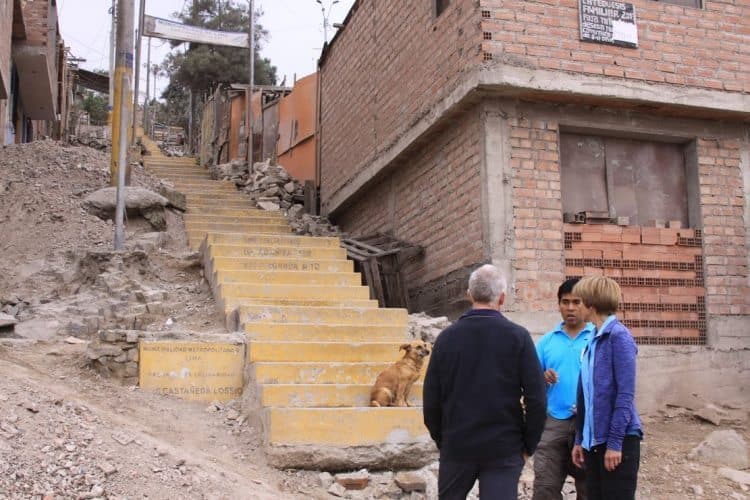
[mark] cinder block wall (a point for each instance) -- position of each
(706, 48)
(433, 199)
(384, 71)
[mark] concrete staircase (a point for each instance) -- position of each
(315, 340)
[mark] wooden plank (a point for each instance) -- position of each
(377, 284)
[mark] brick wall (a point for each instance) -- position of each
(433, 199)
(660, 271)
(665, 273)
(725, 246)
(36, 14)
(707, 48)
(537, 213)
(384, 71)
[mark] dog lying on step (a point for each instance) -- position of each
(393, 385)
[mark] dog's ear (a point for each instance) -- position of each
(405, 347)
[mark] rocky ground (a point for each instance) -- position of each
(67, 432)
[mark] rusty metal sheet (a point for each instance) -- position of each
(582, 177)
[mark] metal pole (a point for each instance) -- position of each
(190, 122)
(122, 167)
(251, 81)
(123, 66)
(136, 83)
(148, 82)
(111, 95)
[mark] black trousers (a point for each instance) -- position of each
(498, 479)
(621, 483)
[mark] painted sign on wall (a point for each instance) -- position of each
(608, 21)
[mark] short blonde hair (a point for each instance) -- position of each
(599, 292)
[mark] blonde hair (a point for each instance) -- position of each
(599, 292)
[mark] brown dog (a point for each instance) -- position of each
(393, 385)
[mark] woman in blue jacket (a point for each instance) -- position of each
(608, 429)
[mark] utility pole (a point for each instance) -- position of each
(251, 81)
(111, 96)
(124, 104)
(146, 105)
(122, 92)
(136, 83)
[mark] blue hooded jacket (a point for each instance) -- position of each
(613, 380)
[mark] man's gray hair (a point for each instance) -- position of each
(486, 283)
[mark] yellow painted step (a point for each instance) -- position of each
(344, 426)
(254, 218)
(179, 171)
(315, 315)
(229, 304)
(288, 277)
(218, 197)
(277, 264)
(267, 331)
(291, 241)
(324, 395)
(323, 372)
(348, 352)
(205, 189)
(288, 252)
(202, 184)
(219, 206)
(293, 291)
(198, 231)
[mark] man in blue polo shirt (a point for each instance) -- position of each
(559, 353)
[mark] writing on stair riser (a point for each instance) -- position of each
(201, 371)
(277, 252)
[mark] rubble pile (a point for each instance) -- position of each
(424, 327)
(271, 188)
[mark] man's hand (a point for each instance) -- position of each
(550, 376)
(577, 456)
(612, 459)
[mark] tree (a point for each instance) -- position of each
(201, 68)
(96, 105)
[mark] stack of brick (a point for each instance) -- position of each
(660, 271)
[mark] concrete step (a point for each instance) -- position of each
(229, 304)
(179, 171)
(255, 239)
(195, 232)
(344, 427)
(225, 208)
(323, 372)
(209, 189)
(324, 395)
(219, 206)
(287, 277)
(202, 184)
(327, 332)
(318, 315)
(286, 252)
(199, 197)
(253, 218)
(275, 264)
(293, 291)
(346, 352)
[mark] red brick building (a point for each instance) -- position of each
(472, 127)
(34, 77)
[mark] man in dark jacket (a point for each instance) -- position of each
(480, 369)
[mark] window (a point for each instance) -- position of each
(639, 179)
(440, 6)
(687, 3)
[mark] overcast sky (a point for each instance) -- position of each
(295, 28)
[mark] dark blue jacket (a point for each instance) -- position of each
(479, 369)
(614, 372)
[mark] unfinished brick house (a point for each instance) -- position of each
(34, 76)
(474, 127)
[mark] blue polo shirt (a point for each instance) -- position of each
(561, 353)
